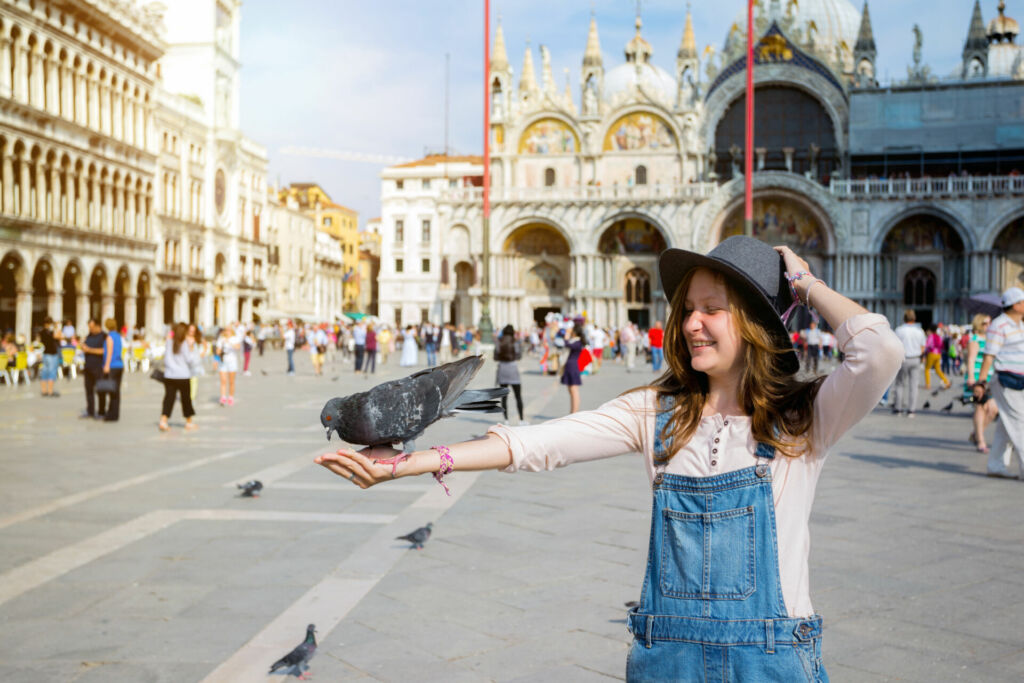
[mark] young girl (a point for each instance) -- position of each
(574, 341)
(733, 444)
(228, 345)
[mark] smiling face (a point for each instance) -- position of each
(712, 337)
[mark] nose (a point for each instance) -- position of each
(694, 321)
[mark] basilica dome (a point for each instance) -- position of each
(654, 81)
(834, 21)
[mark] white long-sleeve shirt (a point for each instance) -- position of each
(873, 355)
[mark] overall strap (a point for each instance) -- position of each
(666, 404)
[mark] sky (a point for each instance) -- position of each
(368, 78)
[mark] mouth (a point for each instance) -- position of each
(696, 344)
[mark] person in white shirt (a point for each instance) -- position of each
(813, 338)
(733, 443)
(229, 345)
(1004, 353)
(627, 342)
(289, 346)
(598, 340)
(909, 377)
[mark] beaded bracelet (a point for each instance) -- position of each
(807, 294)
(447, 466)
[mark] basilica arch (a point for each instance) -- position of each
(13, 291)
(532, 273)
(620, 280)
(72, 283)
(923, 265)
(1009, 249)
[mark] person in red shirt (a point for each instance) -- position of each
(656, 336)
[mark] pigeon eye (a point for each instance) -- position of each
(328, 417)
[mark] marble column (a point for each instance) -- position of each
(53, 305)
(36, 84)
(105, 213)
(20, 71)
(24, 208)
(129, 312)
(7, 178)
(6, 90)
(107, 307)
(23, 313)
(40, 190)
(67, 108)
(82, 310)
(52, 83)
(761, 152)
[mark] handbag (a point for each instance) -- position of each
(106, 386)
(157, 375)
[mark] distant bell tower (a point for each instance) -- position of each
(501, 79)
(975, 55)
(592, 75)
(864, 53)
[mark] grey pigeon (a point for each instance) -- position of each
(297, 661)
(949, 408)
(400, 410)
(418, 537)
(251, 489)
(927, 405)
(264, 372)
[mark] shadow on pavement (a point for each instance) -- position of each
(892, 463)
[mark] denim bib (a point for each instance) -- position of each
(712, 607)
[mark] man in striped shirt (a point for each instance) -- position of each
(1004, 350)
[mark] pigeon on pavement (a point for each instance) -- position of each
(264, 372)
(251, 489)
(297, 660)
(418, 537)
(949, 408)
(927, 405)
(400, 410)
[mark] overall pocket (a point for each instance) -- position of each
(708, 555)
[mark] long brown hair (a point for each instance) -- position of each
(180, 331)
(781, 406)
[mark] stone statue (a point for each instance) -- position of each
(590, 97)
(735, 154)
(712, 163)
(918, 41)
(812, 160)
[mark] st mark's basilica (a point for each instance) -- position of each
(907, 194)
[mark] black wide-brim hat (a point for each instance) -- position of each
(753, 268)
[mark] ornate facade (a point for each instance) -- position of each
(127, 189)
(588, 189)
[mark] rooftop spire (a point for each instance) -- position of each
(976, 39)
(866, 37)
(688, 48)
(592, 55)
(499, 58)
(528, 81)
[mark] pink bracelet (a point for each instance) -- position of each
(447, 466)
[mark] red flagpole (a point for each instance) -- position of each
(487, 109)
(748, 157)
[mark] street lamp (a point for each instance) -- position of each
(748, 157)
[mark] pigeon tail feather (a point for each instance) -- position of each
(480, 400)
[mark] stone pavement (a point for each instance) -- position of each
(127, 557)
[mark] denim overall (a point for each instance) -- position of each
(712, 606)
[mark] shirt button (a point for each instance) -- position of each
(716, 440)
(714, 450)
(714, 462)
(726, 422)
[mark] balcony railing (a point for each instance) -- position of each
(582, 193)
(952, 186)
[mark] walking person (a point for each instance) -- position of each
(371, 349)
(429, 333)
(507, 353)
(289, 346)
(627, 340)
(181, 363)
(656, 335)
(598, 340)
(985, 409)
(248, 343)
(444, 344)
(410, 352)
(318, 342)
(933, 359)
(574, 341)
(813, 341)
(733, 443)
(49, 335)
(92, 348)
(359, 339)
(113, 368)
(385, 344)
(1004, 352)
(909, 377)
(228, 346)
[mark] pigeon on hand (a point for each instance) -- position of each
(251, 489)
(297, 660)
(400, 410)
(418, 537)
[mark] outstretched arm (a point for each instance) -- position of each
(486, 453)
(833, 306)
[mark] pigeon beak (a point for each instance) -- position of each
(329, 430)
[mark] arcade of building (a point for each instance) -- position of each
(902, 196)
(86, 130)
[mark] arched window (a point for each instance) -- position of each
(638, 287)
(641, 175)
(549, 177)
(919, 288)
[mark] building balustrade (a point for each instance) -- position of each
(951, 186)
(595, 193)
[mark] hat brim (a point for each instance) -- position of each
(673, 266)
